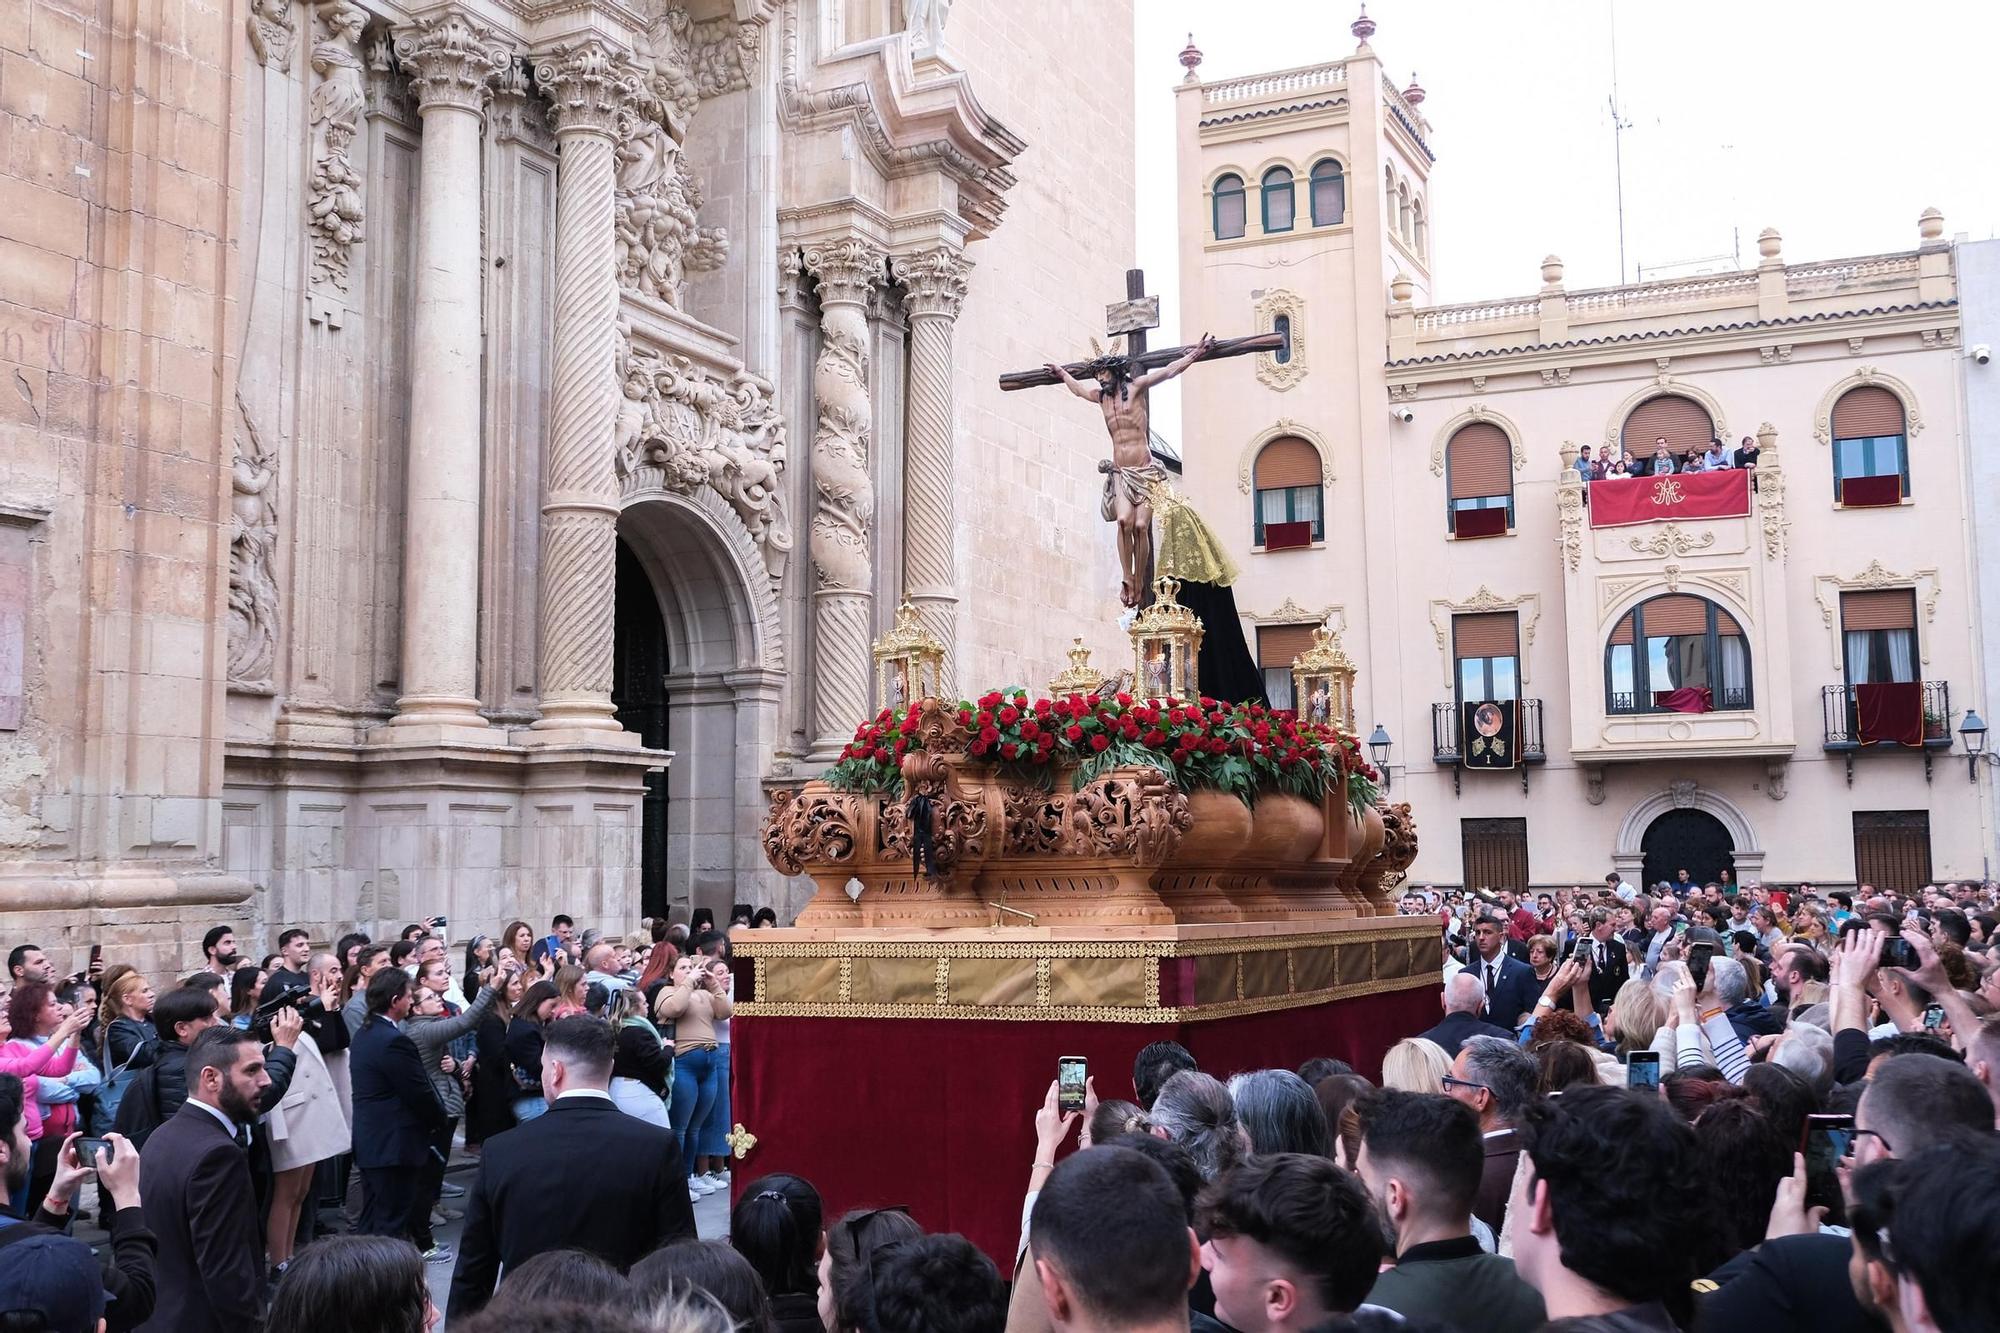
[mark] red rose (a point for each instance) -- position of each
(1009, 716)
(1156, 737)
(977, 747)
(877, 753)
(1072, 733)
(1010, 751)
(1042, 707)
(910, 725)
(1091, 702)
(990, 698)
(883, 716)
(901, 746)
(989, 735)
(965, 717)
(1029, 730)
(1262, 731)
(1124, 699)
(1176, 716)
(847, 752)
(1130, 730)
(1100, 743)
(1216, 745)
(1021, 701)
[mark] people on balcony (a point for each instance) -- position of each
(1587, 467)
(1746, 453)
(1621, 466)
(1663, 464)
(1717, 458)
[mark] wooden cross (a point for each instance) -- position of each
(1132, 317)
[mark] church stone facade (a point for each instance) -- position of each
(458, 456)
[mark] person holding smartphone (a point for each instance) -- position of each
(696, 1000)
(127, 1268)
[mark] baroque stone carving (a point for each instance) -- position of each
(590, 86)
(843, 495)
(1681, 791)
(272, 32)
(1281, 301)
(450, 60)
(680, 428)
(1672, 539)
(1399, 844)
(1138, 813)
(1246, 462)
(1035, 821)
(253, 541)
(935, 281)
(808, 827)
(925, 23)
(1527, 608)
(1913, 417)
(1770, 479)
(660, 238)
(334, 210)
(957, 827)
(1569, 510)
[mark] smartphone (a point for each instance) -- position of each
(1898, 952)
(1581, 950)
(1642, 1070)
(1825, 1142)
(1933, 1017)
(87, 1149)
(1070, 1076)
(96, 959)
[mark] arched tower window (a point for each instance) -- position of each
(1278, 203)
(1229, 207)
(1329, 193)
(1403, 210)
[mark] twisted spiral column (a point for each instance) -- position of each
(450, 59)
(843, 514)
(587, 83)
(935, 282)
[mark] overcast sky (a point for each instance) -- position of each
(1836, 122)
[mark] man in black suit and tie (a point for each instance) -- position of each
(194, 1185)
(1511, 988)
(1609, 968)
(518, 1206)
(395, 1112)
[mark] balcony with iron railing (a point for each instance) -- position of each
(1887, 718)
(1448, 746)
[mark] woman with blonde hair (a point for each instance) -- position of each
(1416, 1064)
(641, 1069)
(1635, 1017)
(569, 991)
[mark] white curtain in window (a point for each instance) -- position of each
(1278, 687)
(1902, 654)
(1271, 505)
(1858, 642)
(1305, 504)
(1735, 668)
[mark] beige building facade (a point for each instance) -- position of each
(1687, 692)
(457, 456)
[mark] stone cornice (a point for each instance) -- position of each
(450, 60)
(845, 269)
(935, 281)
(589, 84)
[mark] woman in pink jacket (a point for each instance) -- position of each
(46, 1048)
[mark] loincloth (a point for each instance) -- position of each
(1134, 485)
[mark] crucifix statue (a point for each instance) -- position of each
(1120, 391)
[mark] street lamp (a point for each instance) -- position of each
(1378, 750)
(1973, 732)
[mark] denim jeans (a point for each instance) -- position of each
(527, 1108)
(694, 1096)
(714, 1137)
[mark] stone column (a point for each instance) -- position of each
(449, 60)
(843, 498)
(935, 283)
(588, 83)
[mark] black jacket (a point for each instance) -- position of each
(1605, 981)
(156, 1096)
(1514, 992)
(517, 1209)
(195, 1183)
(1795, 1284)
(641, 1056)
(1453, 1284)
(127, 1268)
(1451, 1033)
(1753, 1018)
(396, 1115)
(489, 1107)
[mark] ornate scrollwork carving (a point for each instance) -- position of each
(806, 827)
(334, 211)
(932, 825)
(253, 542)
(450, 60)
(1137, 813)
(590, 86)
(1569, 512)
(1672, 539)
(1036, 821)
(1399, 844)
(679, 428)
(934, 281)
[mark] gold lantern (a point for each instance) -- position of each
(1166, 638)
(1323, 682)
(1079, 677)
(909, 662)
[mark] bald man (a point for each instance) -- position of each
(1464, 998)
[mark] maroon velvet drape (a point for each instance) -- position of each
(938, 1114)
(1686, 699)
(1891, 713)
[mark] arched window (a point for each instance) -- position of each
(1479, 479)
(1682, 422)
(1389, 194)
(1277, 189)
(1423, 233)
(1282, 326)
(1676, 654)
(1288, 497)
(1329, 193)
(1871, 457)
(1403, 211)
(1230, 207)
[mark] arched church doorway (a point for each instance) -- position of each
(639, 694)
(1691, 840)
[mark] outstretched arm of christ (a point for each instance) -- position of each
(1173, 368)
(1088, 392)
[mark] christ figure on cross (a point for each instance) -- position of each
(1131, 473)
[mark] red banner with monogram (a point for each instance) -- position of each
(1619, 501)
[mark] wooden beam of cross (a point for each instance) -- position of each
(1132, 317)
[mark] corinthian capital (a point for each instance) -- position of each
(450, 59)
(588, 84)
(934, 281)
(845, 269)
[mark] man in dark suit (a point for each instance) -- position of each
(516, 1208)
(1511, 988)
(194, 1186)
(1464, 999)
(395, 1112)
(1609, 967)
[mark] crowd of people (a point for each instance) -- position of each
(1665, 460)
(1696, 1107)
